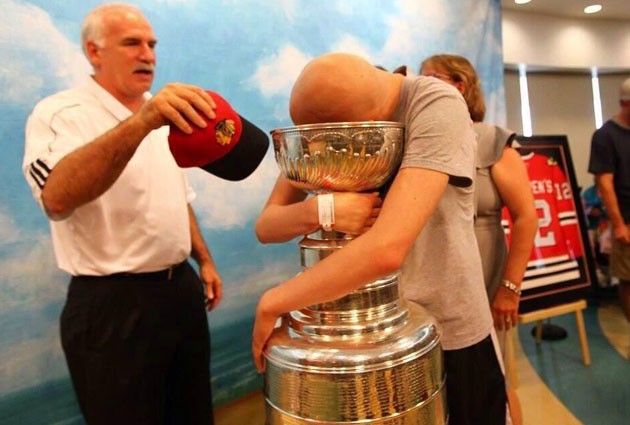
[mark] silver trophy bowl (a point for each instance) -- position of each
(369, 357)
(342, 157)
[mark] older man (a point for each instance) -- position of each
(134, 327)
(610, 162)
(425, 226)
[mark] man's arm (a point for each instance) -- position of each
(288, 214)
(381, 250)
(609, 197)
(87, 172)
(207, 270)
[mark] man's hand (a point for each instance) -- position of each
(622, 233)
(175, 103)
(355, 213)
(212, 283)
(264, 323)
(504, 308)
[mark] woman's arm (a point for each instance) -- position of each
(288, 213)
(510, 177)
(381, 250)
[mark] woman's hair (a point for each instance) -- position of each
(459, 69)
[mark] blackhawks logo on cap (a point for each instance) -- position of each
(224, 131)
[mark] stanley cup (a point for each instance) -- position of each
(368, 357)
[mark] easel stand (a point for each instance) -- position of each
(538, 316)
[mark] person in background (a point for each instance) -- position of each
(501, 179)
(424, 227)
(134, 327)
(598, 231)
(593, 206)
(610, 163)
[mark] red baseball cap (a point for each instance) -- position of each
(229, 147)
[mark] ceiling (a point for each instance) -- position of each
(612, 9)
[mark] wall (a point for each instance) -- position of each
(513, 101)
(557, 42)
(562, 103)
(609, 92)
(250, 51)
(559, 53)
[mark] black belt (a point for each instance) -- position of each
(166, 274)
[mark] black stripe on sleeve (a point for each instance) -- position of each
(41, 185)
(38, 172)
(43, 165)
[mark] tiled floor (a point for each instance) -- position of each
(555, 388)
(538, 404)
(598, 394)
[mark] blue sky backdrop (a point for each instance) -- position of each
(250, 51)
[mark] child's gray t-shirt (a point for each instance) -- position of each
(442, 272)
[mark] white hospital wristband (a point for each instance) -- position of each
(326, 211)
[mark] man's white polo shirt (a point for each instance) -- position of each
(141, 223)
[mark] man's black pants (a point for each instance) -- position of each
(475, 385)
(138, 348)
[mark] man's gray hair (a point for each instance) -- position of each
(92, 25)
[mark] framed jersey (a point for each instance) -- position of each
(560, 265)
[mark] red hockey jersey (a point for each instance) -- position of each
(557, 243)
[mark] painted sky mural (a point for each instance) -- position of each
(250, 51)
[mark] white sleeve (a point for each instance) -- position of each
(50, 134)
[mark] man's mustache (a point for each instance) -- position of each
(144, 67)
